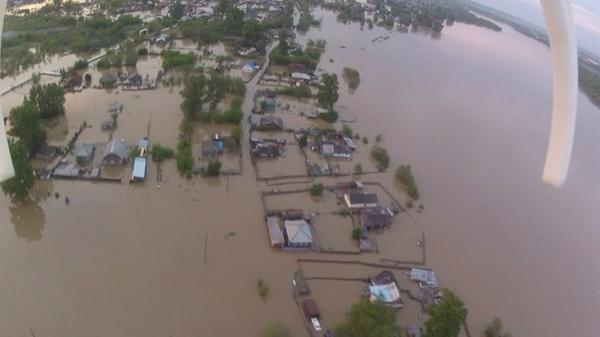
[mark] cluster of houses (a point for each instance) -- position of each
(291, 230)
(115, 153)
(330, 144)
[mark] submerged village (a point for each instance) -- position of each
(169, 93)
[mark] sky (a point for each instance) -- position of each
(585, 12)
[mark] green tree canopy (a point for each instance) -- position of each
(26, 124)
(369, 319)
(176, 10)
(49, 99)
(446, 317)
(18, 186)
(328, 90)
(193, 96)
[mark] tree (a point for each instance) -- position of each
(18, 186)
(216, 88)
(49, 99)
(176, 10)
(328, 90)
(381, 157)
(234, 22)
(369, 319)
(494, 329)
(316, 190)
(160, 153)
(193, 93)
(283, 43)
(213, 168)
(253, 34)
(277, 330)
(26, 124)
(446, 317)
(223, 7)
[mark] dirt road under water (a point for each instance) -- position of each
(469, 111)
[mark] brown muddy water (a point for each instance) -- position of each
(470, 112)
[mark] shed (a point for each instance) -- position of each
(425, 276)
(298, 76)
(298, 234)
(115, 152)
(360, 199)
(139, 169)
(275, 232)
(376, 218)
(271, 122)
(85, 153)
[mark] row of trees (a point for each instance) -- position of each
(27, 126)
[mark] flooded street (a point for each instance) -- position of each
(469, 110)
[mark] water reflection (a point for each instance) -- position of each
(29, 219)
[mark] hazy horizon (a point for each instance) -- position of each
(586, 14)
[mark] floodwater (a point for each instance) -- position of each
(469, 110)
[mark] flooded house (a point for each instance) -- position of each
(271, 123)
(299, 78)
(115, 152)
(360, 199)
(84, 153)
(317, 112)
(425, 277)
(384, 287)
(250, 66)
(376, 218)
(298, 234)
(275, 232)
(336, 150)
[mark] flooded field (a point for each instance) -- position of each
(470, 111)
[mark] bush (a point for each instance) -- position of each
(301, 91)
(404, 174)
(174, 59)
(303, 141)
(357, 233)
(80, 64)
(378, 138)
(330, 117)
(142, 51)
(234, 114)
(237, 86)
(160, 153)
(357, 169)
(352, 77)
(347, 130)
(185, 159)
(316, 190)
(381, 157)
(263, 288)
(236, 134)
(213, 168)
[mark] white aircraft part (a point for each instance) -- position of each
(563, 50)
(6, 165)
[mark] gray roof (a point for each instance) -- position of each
(116, 147)
(363, 198)
(376, 217)
(275, 232)
(271, 122)
(85, 150)
(298, 231)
